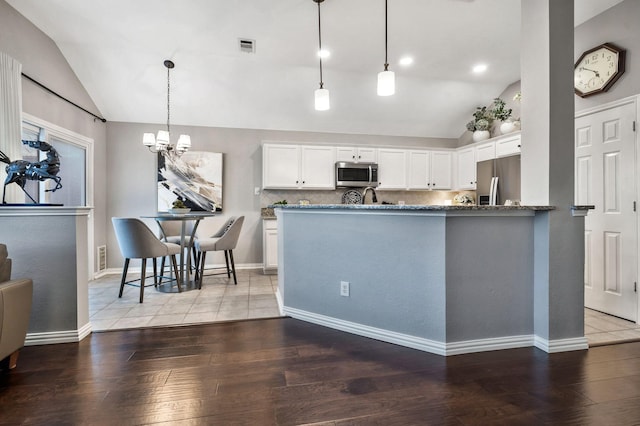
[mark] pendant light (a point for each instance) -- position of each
(162, 142)
(321, 94)
(386, 78)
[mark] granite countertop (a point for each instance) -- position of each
(408, 207)
(267, 213)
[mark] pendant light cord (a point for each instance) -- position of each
(386, 61)
(320, 45)
(168, 99)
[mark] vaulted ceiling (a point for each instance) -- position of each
(117, 49)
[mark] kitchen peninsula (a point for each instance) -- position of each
(443, 279)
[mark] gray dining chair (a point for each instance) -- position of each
(137, 241)
(225, 240)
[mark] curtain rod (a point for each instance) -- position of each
(104, 120)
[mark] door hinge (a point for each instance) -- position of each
(634, 206)
(635, 287)
(634, 126)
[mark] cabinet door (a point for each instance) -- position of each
(392, 169)
(367, 155)
(270, 246)
(508, 146)
(280, 166)
(441, 176)
(467, 168)
(346, 153)
(486, 151)
(419, 173)
(318, 167)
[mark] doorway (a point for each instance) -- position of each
(606, 177)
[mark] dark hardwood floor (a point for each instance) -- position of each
(287, 372)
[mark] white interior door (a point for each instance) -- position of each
(606, 178)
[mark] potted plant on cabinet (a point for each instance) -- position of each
(502, 113)
(482, 119)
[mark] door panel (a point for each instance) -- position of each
(606, 178)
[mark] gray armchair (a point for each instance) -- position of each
(225, 240)
(15, 310)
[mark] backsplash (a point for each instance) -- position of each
(270, 196)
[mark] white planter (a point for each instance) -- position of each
(481, 135)
(507, 127)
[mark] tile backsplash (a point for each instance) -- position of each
(270, 196)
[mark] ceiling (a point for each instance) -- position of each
(117, 49)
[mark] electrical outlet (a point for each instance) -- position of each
(344, 288)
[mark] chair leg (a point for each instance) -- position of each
(162, 266)
(226, 259)
(233, 267)
(155, 272)
(124, 276)
(142, 278)
(177, 272)
(202, 255)
(12, 360)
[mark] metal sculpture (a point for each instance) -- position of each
(19, 171)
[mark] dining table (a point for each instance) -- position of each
(186, 238)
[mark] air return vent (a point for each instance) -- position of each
(247, 45)
(102, 258)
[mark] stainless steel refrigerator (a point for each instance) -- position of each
(498, 180)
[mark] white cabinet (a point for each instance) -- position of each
(441, 175)
(270, 245)
(317, 167)
(280, 166)
(419, 173)
(392, 168)
(466, 168)
(486, 151)
(508, 145)
(356, 154)
(298, 167)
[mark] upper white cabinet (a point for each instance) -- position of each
(486, 151)
(467, 168)
(508, 145)
(280, 166)
(441, 175)
(298, 166)
(392, 168)
(429, 170)
(356, 154)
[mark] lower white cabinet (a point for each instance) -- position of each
(270, 246)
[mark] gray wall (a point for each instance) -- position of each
(132, 178)
(618, 25)
(41, 59)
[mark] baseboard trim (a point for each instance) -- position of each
(426, 345)
(433, 346)
(561, 345)
(55, 337)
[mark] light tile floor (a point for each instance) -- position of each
(602, 329)
(218, 300)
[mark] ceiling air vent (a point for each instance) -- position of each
(247, 45)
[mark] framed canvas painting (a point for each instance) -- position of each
(195, 178)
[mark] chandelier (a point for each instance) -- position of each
(162, 143)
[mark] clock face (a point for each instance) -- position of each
(597, 69)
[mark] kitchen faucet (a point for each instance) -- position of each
(374, 199)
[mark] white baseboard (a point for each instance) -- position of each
(54, 337)
(561, 345)
(436, 347)
(280, 302)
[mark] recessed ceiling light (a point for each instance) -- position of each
(479, 68)
(324, 53)
(406, 61)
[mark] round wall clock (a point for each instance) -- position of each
(597, 69)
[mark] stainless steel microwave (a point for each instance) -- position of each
(356, 174)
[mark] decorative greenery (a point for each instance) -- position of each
(463, 199)
(499, 111)
(280, 203)
(178, 204)
(482, 119)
